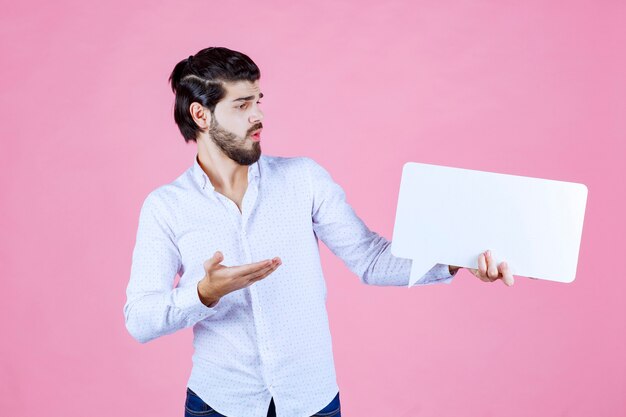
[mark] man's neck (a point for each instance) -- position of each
(225, 175)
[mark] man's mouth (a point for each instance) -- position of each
(256, 136)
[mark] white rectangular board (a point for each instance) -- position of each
(451, 215)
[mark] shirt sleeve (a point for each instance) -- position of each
(364, 252)
(153, 307)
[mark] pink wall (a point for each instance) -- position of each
(530, 88)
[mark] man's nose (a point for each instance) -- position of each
(256, 117)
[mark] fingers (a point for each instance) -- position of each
(492, 268)
(489, 270)
(482, 266)
(256, 276)
(241, 270)
(253, 270)
(214, 261)
(507, 276)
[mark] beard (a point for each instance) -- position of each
(233, 146)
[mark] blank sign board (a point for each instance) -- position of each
(451, 215)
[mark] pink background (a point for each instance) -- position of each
(530, 88)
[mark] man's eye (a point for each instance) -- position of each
(244, 105)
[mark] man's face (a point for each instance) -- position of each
(239, 118)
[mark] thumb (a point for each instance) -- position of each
(215, 260)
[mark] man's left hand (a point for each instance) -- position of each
(489, 271)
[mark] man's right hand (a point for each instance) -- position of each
(220, 280)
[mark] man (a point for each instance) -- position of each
(263, 349)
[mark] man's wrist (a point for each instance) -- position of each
(208, 300)
(453, 269)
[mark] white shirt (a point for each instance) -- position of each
(271, 339)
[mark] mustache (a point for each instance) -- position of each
(255, 127)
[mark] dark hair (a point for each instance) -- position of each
(199, 78)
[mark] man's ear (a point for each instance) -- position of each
(200, 115)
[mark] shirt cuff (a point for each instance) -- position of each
(188, 300)
(439, 274)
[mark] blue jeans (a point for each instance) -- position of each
(194, 406)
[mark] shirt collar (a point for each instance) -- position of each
(205, 183)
